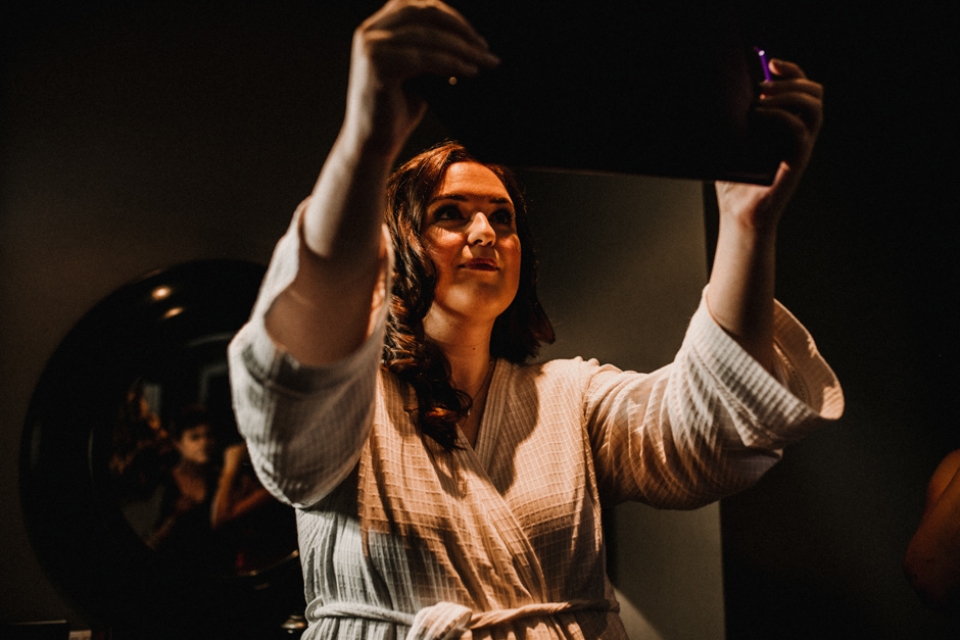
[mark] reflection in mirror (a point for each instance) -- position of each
(184, 480)
(136, 488)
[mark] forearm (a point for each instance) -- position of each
(742, 282)
(304, 426)
(740, 296)
(324, 314)
(714, 421)
(232, 501)
(303, 370)
(222, 505)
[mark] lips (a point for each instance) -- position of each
(481, 264)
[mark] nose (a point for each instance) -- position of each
(480, 232)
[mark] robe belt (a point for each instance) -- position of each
(448, 620)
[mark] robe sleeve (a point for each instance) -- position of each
(304, 426)
(709, 424)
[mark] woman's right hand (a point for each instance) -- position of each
(234, 455)
(403, 40)
(325, 313)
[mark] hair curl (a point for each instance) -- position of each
(517, 333)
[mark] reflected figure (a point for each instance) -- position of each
(99, 452)
(238, 494)
(932, 561)
(190, 497)
(256, 528)
(141, 448)
(183, 528)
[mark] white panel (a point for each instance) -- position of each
(623, 262)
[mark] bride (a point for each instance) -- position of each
(445, 485)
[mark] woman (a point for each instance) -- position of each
(442, 484)
(182, 531)
(255, 530)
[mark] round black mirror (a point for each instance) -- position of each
(137, 493)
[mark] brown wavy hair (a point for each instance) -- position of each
(517, 333)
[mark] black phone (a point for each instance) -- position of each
(659, 88)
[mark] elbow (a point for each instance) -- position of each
(305, 485)
(934, 579)
(219, 517)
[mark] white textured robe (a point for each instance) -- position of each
(401, 539)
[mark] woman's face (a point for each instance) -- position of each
(196, 444)
(470, 234)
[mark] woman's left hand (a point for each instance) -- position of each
(794, 105)
(740, 296)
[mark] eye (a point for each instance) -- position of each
(502, 216)
(447, 212)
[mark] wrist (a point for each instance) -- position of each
(746, 242)
(366, 142)
(379, 122)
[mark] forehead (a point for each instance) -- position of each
(473, 180)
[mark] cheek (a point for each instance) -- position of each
(442, 249)
(513, 256)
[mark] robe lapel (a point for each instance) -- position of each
(497, 514)
(444, 504)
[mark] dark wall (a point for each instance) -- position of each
(867, 261)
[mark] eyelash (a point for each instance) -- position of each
(442, 213)
(500, 216)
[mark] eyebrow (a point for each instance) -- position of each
(462, 198)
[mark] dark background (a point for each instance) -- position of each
(182, 108)
(867, 261)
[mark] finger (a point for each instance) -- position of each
(786, 69)
(402, 62)
(427, 13)
(808, 108)
(428, 38)
(800, 85)
(790, 133)
(412, 63)
(796, 125)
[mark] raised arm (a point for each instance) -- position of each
(303, 372)
(232, 501)
(324, 314)
(740, 296)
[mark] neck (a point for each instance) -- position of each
(470, 370)
(466, 347)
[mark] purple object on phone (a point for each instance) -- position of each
(764, 63)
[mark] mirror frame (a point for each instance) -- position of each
(73, 517)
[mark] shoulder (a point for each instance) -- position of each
(562, 375)
(549, 370)
(390, 388)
